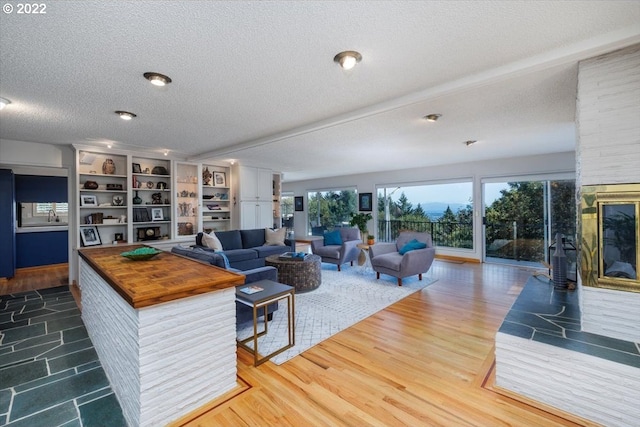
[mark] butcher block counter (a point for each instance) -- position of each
(165, 277)
(164, 330)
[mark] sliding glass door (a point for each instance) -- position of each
(521, 219)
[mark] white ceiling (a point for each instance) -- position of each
(255, 81)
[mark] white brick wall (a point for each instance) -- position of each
(590, 387)
(166, 360)
(608, 152)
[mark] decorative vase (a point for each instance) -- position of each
(137, 200)
(108, 167)
(370, 241)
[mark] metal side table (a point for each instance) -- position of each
(271, 292)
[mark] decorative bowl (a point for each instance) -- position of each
(141, 254)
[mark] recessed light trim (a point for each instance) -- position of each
(470, 142)
(432, 117)
(157, 79)
(126, 115)
(348, 59)
(4, 102)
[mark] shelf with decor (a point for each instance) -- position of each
(187, 199)
(150, 199)
(101, 198)
(215, 204)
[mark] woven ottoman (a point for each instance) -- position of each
(302, 275)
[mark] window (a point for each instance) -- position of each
(443, 210)
(43, 209)
(330, 209)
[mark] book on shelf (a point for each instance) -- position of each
(251, 290)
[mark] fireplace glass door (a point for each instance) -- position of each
(619, 243)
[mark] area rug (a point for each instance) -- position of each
(343, 299)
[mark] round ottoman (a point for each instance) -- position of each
(302, 275)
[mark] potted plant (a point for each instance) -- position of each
(371, 239)
(360, 220)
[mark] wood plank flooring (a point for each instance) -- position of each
(420, 362)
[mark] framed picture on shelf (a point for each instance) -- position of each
(298, 204)
(136, 168)
(90, 236)
(219, 179)
(88, 200)
(365, 202)
(157, 215)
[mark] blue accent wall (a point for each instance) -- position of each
(7, 224)
(42, 189)
(33, 249)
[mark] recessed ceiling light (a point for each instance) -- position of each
(348, 59)
(166, 152)
(4, 102)
(157, 79)
(432, 117)
(470, 142)
(125, 115)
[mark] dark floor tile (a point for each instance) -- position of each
(5, 317)
(23, 332)
(20, 306)
(54, 291)
(12, 325)
(103, 412)
(72, 360)
(47, 380)
(63, 306)
(74, 423)
(74, 334)
(5, 401)
(31, 342)
(602, 341)
(66, 349)
(93, 396)
(88, 366)
(516, 329)
(22, 373)
(53, 416)
(3, 419)
(593, 350)
(54, 315)
(30, 314)
(51, 394)
(66, 323)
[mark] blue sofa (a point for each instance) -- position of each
(245, 248)
(243, 312)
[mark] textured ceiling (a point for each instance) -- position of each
(255, 81)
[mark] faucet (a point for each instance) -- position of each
(51, 212)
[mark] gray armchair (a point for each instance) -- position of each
(339, 254)
(386, 258)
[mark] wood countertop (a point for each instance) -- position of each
(166, 277)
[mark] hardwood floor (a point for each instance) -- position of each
(28, 279)
(424, 361)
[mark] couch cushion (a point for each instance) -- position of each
(332, 238)
(265, 251)
(230, 239)
(275, 237)
(252, 238)
(236, 255)
(199, 254)
(331, 251)
(412, 246)
(211, 241)
(391, 261)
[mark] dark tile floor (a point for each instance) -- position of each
(545, 314)
(50, 374)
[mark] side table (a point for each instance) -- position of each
(364, 259)
(271, 292)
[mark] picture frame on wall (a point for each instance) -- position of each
(298, 204)
(365, 202)
(89, 236)
(88, 200)
(219, 179)
(156, 214)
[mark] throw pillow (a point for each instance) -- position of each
(211, 241)
(332, 238)
(412, 246)
(274, 237)
(225, 259)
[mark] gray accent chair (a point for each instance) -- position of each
(386, 258)
(339, 254)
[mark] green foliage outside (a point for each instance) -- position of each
(332, 208)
